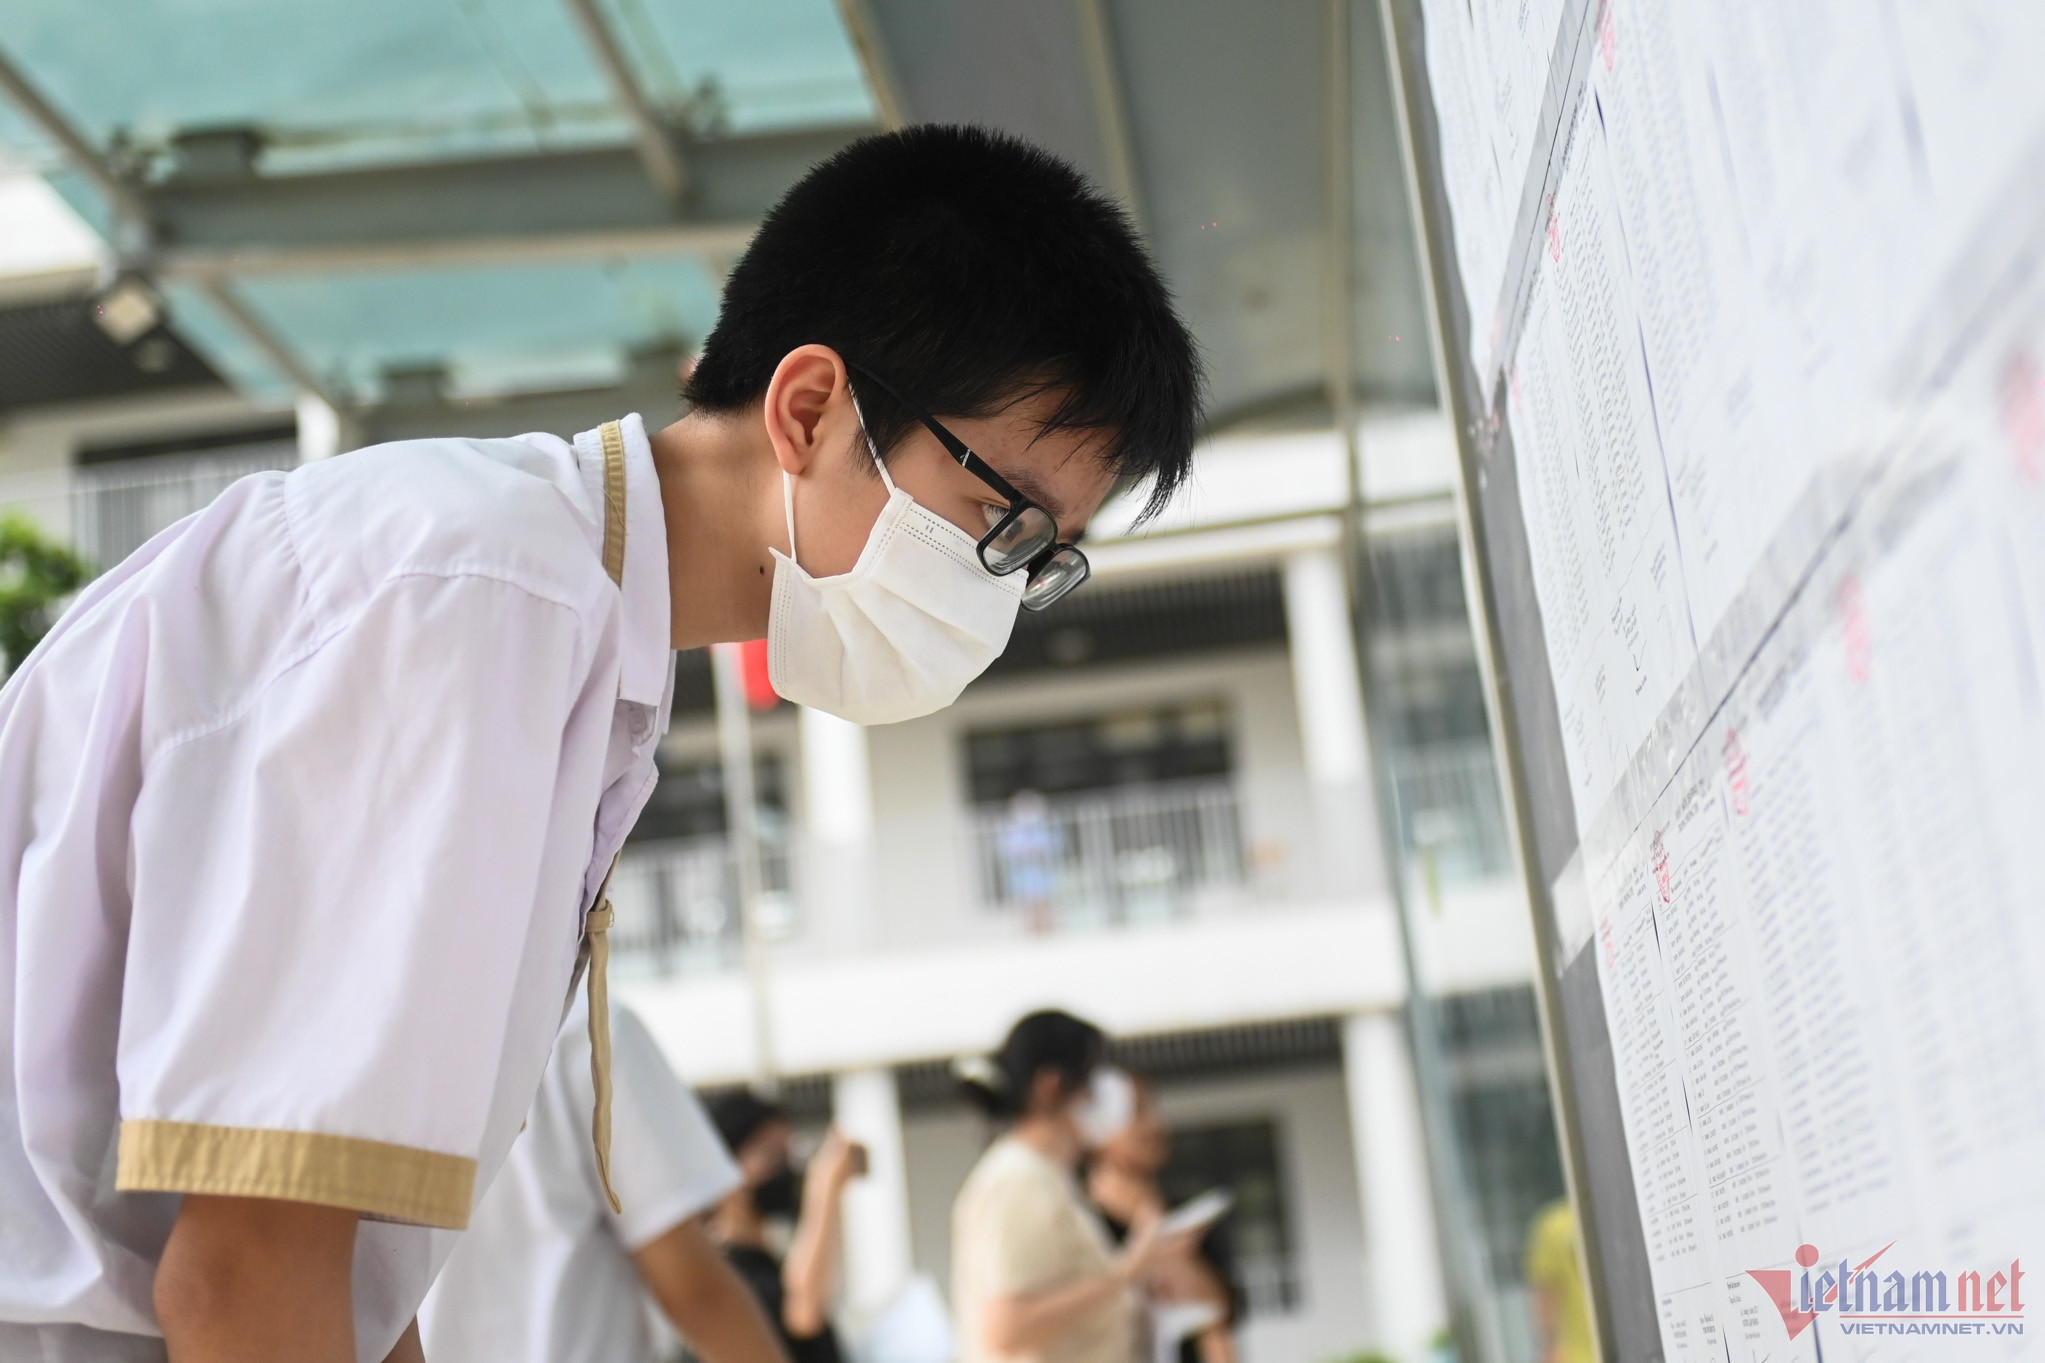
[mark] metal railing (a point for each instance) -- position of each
(677, 904)
(1450, 810)
(116, 507)
(1115, 856)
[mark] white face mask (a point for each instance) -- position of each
(900, 635)
(1108, 1108)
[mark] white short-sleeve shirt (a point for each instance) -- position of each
(545, 1273)
(300, 810)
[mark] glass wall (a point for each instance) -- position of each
(1482, 1077)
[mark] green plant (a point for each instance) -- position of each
(36, 574)
(1371, 1356)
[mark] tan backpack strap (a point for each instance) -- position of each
(596, 924)
(596, 929)
(613, 436)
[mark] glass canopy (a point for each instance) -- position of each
(239, 112)
(332, 83)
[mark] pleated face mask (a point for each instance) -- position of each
(903, 632)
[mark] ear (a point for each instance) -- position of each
(1048, 1090)
(807, 407)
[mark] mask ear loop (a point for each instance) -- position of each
(878, 462)
(788, 510)
(788, 480)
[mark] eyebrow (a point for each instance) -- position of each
(1026, 482)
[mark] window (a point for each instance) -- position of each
(1135, 747)
(1110, 819)
(1243, 1158)
(1498, 1101)
(1426, 678)
(689, 801)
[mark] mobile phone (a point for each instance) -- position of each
(1203, 1210)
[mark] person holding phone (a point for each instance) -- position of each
(796, 1290)
(1194, 1301)
(1035, 1276)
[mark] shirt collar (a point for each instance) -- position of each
(649, 660)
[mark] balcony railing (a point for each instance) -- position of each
(677, 904)
(1450, 810)
(1133, 855)
(116, 507)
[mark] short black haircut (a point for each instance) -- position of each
(967, 268)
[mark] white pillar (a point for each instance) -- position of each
(1402, 1275)
(837, 825)
(867, 1107)
(1329, 694)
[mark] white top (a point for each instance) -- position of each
(545, 1272)
(1020, 1226)
(300, 810)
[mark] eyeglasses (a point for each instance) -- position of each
(1023, 537)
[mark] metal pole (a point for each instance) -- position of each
(259, 335)
(657, 151)
(1470, 410)
(742, 836)
(1111, 114)
(121, 196)
(873, 59)
(709, 239)
(1459, 1229)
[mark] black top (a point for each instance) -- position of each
(762, 1273)
(1214, 1248)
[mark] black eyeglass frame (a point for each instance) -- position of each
(1018, 505)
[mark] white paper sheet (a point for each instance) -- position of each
(1820, 951)
(1593, 492)
(1821, 948)
(1488, 66)
(1730, 418)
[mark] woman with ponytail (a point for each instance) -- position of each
(1035, 1276)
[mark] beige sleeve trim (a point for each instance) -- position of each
(392, 1182)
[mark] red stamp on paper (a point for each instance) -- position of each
(1736, 774)
(1554, 232)
(1664, 878)
(1856, 636)
(2023, 414)
(1608, 34)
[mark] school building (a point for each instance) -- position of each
(1167, 808)
(1153, 811)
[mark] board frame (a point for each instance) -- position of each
(1519, 688)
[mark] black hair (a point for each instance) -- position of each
(967, 269)
(1050, 1040)
(738, 1115)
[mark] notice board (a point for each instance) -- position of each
(1741, 312)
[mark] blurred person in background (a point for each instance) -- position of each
(795, 1291)
(1035, 1275)
(549, 1273)
(1562, 1317)
(1031, 847)
(1121, 1181)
